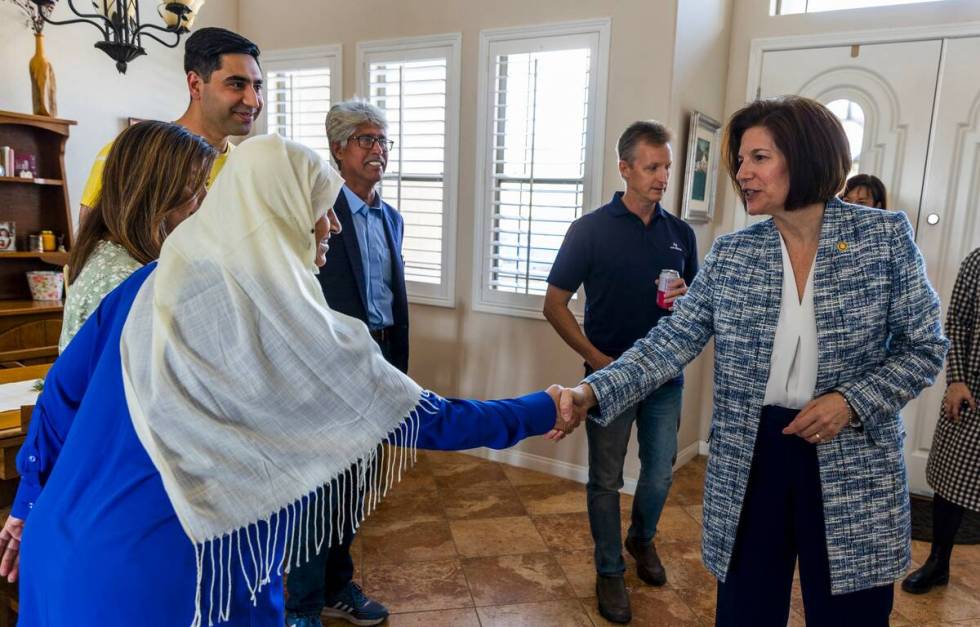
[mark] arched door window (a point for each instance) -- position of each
(851, 116)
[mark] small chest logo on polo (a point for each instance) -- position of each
(674, 246)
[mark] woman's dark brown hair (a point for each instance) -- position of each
(152, 170)
(811, 139)
(879, 197)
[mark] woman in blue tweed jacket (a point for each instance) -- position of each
(825, 326)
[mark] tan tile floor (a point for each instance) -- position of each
(465, 542)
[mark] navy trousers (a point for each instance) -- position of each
(782, 518)
(326, 574)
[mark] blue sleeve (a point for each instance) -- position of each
(460, 424)
(571, 264)
(64, 387)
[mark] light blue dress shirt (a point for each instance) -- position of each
(375, 258)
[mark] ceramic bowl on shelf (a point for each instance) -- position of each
(45, 284)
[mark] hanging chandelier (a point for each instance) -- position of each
(121, 28)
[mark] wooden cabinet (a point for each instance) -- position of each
(29, 329)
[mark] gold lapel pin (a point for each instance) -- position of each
(841, 247)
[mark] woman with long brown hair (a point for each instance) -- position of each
(153, 179)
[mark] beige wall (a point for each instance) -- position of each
(700, 75)
(459, 351)
(90, 90)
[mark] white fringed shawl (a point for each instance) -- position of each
(249, 394)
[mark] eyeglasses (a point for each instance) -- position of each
(367, 142)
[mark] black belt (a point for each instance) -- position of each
(382, 335)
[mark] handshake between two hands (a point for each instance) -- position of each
(571, 408)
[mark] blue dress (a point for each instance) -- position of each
(102, 544)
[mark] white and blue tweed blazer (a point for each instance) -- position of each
(880, 343)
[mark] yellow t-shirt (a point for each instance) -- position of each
(93, 186)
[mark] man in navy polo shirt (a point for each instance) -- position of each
(618, 251)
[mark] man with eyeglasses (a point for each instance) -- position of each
(364, 277)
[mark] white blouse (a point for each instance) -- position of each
(793, 365)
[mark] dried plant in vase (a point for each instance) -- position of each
(43, 90)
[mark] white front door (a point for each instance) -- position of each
(891, 86)
(913, 115)
(949, 215)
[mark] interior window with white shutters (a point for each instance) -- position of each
(413, 95)
(300, 86)
(540, 116)
(790, 7)
(415, 81)
(297, 102)
(541, 123)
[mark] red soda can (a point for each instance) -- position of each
(663, 286)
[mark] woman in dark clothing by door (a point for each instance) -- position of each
(953, 469)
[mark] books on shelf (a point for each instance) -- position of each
(7, 160)
(23, 165)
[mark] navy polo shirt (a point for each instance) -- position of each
(619, 260)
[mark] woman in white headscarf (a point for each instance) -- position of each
(205, 412)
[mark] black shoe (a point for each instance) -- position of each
(932, 573)
(614, 600)
(648, 565)
(353, 606)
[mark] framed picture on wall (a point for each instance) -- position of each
(701, 168)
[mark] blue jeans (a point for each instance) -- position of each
(657, 418)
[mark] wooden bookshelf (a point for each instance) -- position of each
(29, 329)
(33, 181)
(53, 257)
(20, 307)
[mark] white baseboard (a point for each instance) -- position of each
(687, 453)
(575, 472)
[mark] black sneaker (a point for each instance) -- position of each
(353, 606)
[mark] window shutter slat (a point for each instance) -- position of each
(297, 105)
(413, 95)
(538, 142)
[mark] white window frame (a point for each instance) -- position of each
(801, 7)
(407, 49)
(287, 60)
(593, 34)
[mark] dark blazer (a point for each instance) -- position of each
(342, 277)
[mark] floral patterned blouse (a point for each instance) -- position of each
(107, 266)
